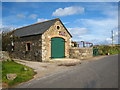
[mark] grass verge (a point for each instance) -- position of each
(13, 67)
(105, 49)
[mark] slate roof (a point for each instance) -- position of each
(34, 29)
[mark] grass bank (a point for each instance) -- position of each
(13, 67)
(105, 49)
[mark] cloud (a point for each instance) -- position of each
(6, 28)
(41, 19)
(21, 15)
(100, 30)
(99, 26)
(68, 11)
(100, 22)
(109, 39)
(113, 13)
(66, 23)
(33, 16)
(78, 31)
(116, 32)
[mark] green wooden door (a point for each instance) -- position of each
(95, 51)
(57, 47)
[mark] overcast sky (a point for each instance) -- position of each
(86, 21)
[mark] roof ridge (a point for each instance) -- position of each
(37, 23)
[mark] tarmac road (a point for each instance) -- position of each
(101, 73)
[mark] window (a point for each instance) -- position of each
(58, 27)
(27, 46)
(12, 46)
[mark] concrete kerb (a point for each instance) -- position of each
(65, 62)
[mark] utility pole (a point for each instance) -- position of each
(112, 37)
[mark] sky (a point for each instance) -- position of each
(60, 0)
(86, 21)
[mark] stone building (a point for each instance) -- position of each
(42, 41)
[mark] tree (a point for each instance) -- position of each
(7, 39)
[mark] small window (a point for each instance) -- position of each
(12, 48)
(27, 46)
(58, 27)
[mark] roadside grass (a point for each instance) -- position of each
(105, 49)
(112, 52)
(11, 66)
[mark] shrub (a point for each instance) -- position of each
(105, 49)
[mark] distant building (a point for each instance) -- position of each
(74, 44)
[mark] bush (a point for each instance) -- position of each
(7, 38)
(105, 49)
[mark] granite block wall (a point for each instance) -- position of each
(81, 52)
(35, 52)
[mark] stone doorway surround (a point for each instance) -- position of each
(49, 46)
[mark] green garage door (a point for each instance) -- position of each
(57, 47)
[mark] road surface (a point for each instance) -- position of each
(101, 73)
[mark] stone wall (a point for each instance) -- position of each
(35, 53)
(81, 52)
(4, 55)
